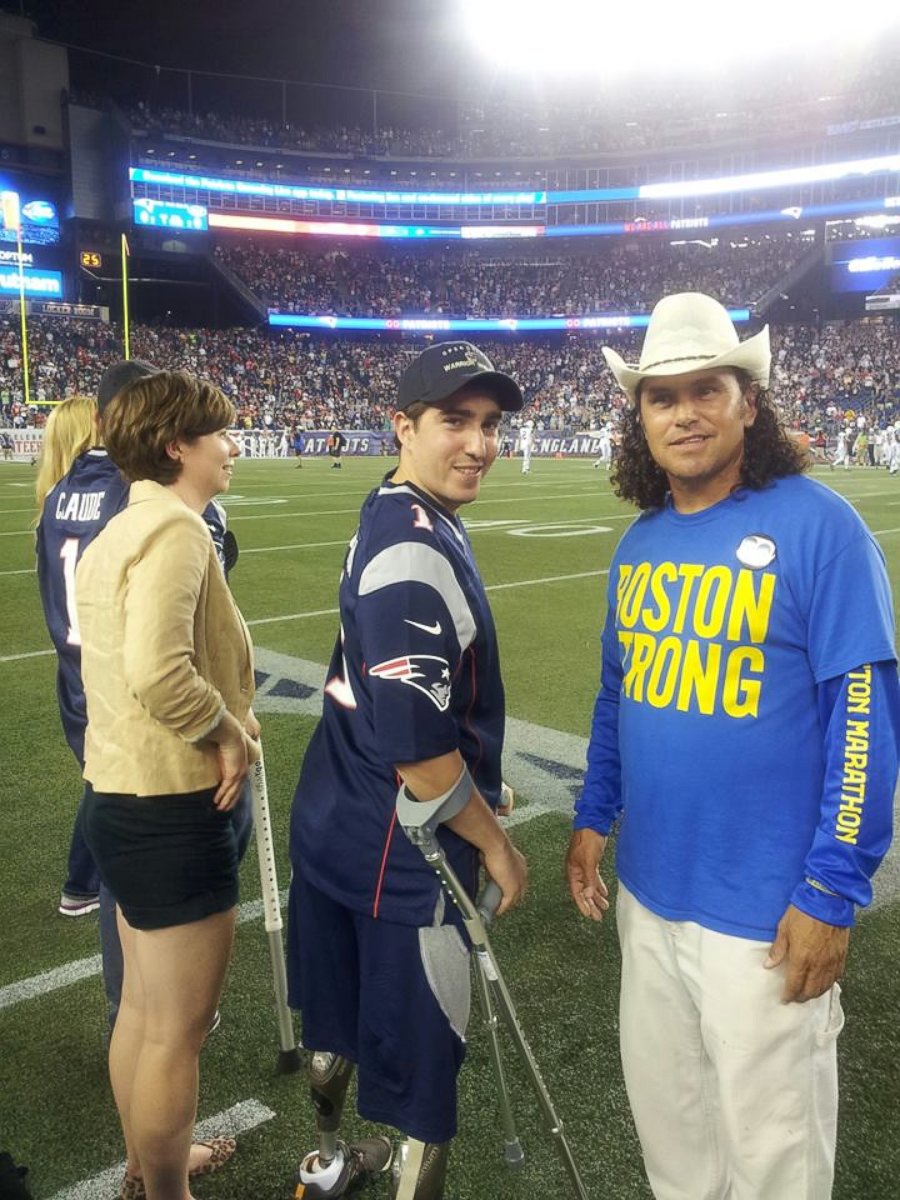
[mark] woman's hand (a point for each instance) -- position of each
(251, 725)
(253, 730)
(234, 762)
(233, 750)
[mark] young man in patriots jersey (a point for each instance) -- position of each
(377, 963)
(74, 512)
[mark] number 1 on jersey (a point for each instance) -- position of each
(338, 686)
(69, 554)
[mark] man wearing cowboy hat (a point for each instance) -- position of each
(746, 732)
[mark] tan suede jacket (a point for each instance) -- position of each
(164, 649)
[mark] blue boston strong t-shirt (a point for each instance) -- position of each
(721, 627)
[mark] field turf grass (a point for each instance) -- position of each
(56, 1112)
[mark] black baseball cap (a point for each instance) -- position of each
(443, 369)
(118, 376)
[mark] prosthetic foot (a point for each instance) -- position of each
(419, 1170)
(336, 1168)
(351, 1167)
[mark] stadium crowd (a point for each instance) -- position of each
(286, 380)
(461, 282)
(666, 114)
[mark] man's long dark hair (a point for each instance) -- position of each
(769, 453)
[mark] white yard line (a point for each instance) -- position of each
(240, 1118)
(497, 587)
(85, 968)
(485, 503)
(493, 587)
(329, 612)
(319, 612)
(292, 546)
(234, 517)
(28, 654)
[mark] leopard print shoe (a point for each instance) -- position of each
(221, 1150)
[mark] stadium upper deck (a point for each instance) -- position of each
(599, 162)
(749, 108)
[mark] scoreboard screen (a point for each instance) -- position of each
(164, 214)
(27, 205)
(864, 265)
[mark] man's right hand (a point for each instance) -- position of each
(588, 890)
(508, 869)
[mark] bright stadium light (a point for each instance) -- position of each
(568, 37)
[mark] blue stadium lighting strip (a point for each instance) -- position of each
(679, 189)
(475, 324)
(286, 191)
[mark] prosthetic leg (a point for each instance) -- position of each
(336, 1168)
(420, 820)
(419, 1170)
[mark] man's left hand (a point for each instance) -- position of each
(815, 954)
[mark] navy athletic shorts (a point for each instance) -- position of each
(393, 999)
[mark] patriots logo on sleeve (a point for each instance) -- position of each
(425, 672)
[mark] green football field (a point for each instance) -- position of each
(543, 543)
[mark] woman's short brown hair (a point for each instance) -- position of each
(155, 411)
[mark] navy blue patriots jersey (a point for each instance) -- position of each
(216, 523)
(74, 512)
(415, 674)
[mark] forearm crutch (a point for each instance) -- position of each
(288, 1054)
(513, 1153)
(419, 821)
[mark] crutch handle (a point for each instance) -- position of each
(489, 901)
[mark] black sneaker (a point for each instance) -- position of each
(78, 906)
(352, 1167)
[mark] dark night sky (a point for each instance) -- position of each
(411, 45)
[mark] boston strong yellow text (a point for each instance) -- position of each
(699, 610)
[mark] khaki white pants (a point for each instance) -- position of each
(734, 1094)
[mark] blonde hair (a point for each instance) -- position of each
(70, 430)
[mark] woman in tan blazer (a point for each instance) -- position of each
(168, 676)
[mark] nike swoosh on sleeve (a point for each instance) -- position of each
(435, 628)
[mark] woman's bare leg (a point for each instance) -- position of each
(180, 973)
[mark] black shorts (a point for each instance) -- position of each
(168, 860)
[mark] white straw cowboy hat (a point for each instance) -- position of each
(691, 332)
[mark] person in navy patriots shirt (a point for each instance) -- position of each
(70, 434)
(377, 964)
(73, 512)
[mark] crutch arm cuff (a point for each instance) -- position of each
(416, 814)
